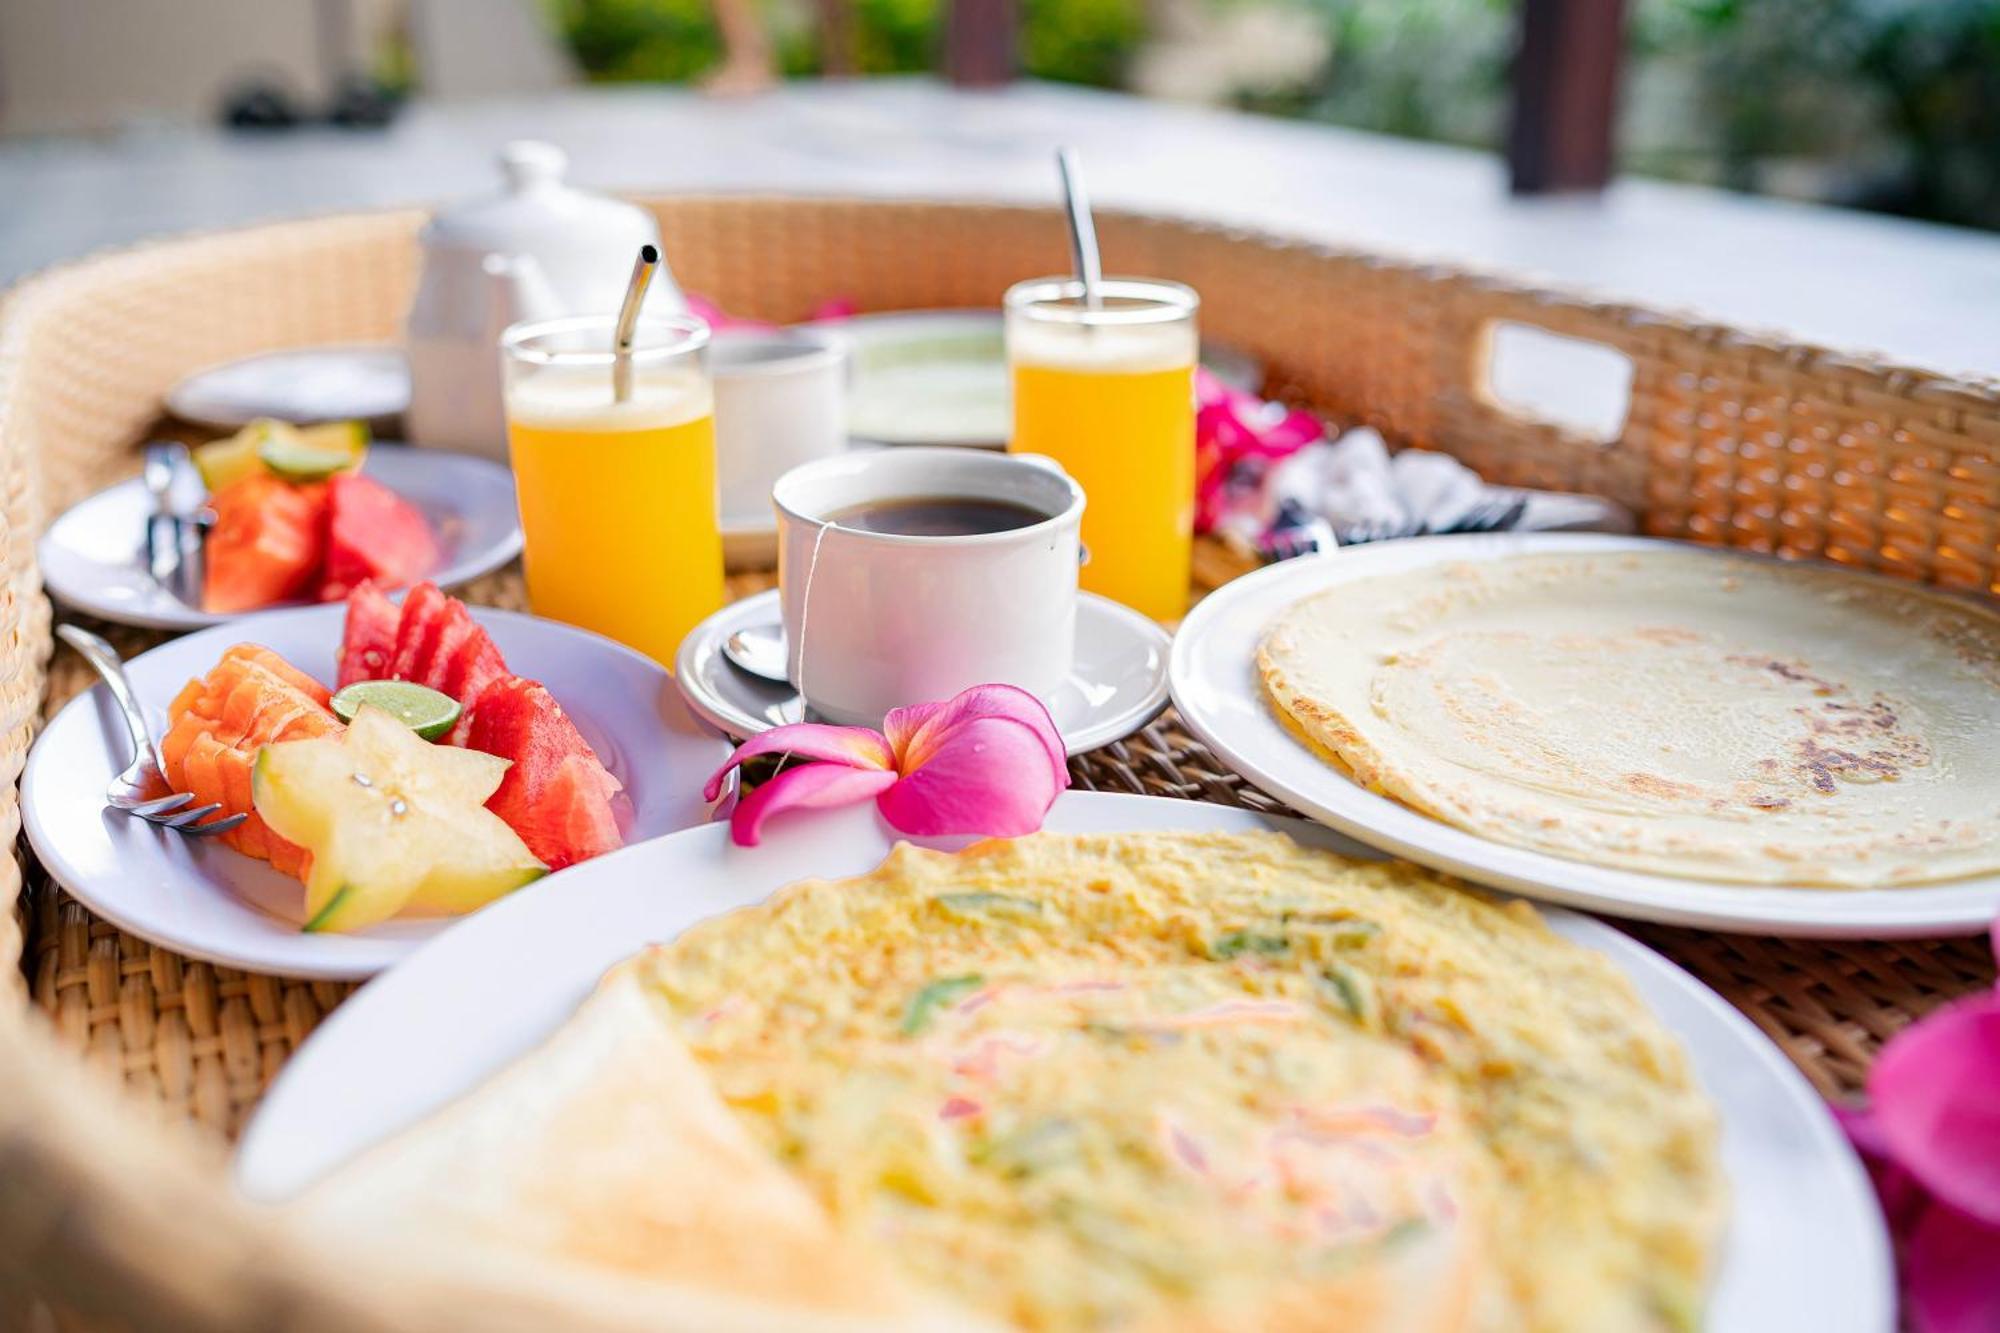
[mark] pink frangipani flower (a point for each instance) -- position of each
(1931, 1137)
(987, 762)
(1232, 427)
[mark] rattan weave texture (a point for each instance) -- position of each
(1729, 438)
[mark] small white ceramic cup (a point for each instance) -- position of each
(780, 400)
(874, 620)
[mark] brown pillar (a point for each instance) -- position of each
(981, 42)
(1566, 71)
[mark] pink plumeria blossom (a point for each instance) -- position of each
(1931, 1137)
(988, 762)
(1232, 427)
(721, 321)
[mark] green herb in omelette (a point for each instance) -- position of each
(986, 906)
(1238, 942)
(943, 991)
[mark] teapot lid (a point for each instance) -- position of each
(534, 208)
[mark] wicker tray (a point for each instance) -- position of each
(114, 1208)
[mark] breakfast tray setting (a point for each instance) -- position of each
(117, 1210)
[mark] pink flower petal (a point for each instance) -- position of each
(1951, 1273)
(807, 787)
(917, 732)
(853, 747)
(1903, 1199)
(991, 775)
(1935, 1091)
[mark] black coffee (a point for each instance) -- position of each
(936, 516)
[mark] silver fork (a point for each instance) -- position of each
(134, 790)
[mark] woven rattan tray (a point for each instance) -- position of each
(1728, 438)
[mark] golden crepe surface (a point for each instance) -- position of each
(1681, 712)
(1145, 1082)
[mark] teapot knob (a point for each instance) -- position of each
(528, 163)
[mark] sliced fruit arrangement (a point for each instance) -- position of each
(558, 796)
(392, 823)
(296, 519)
(375, 816)
(217, 725)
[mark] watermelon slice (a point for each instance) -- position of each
(266, 545)
(373, 533)
(472, 669)
(456, 628)
(557, 796)
(370, 640)
(423, 617)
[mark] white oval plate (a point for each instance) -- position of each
(1117, 685)
(361, 381)
(93, 557)
(1220, 697)
(197, 897)
(1805, 1246)
(940, 376)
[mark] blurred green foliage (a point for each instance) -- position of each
(1886, 104)
(1072, 41)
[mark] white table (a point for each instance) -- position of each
(1922, 294)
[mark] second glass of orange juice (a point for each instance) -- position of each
(618, 499)
(1108, 392)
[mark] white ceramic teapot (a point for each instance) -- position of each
(536, 250)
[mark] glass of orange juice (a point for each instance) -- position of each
(618, 499)
(1108, 392)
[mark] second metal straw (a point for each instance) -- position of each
(1082, 231)
(628, 322)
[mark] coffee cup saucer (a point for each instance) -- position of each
(1117, 681)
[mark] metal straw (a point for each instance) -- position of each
(628, 322)
(1082, 231)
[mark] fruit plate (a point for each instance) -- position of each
(202, 899)
(1804, 1247)
(93, 557)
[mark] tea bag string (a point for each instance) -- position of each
(805, 612)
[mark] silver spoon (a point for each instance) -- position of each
(759, 650)
(1082, 229)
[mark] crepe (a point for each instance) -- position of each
(1688, 713)
(601, 1174)
(1146, 1082)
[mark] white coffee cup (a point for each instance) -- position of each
(875, 620)
(780, 400)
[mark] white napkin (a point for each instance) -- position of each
(1355, 482)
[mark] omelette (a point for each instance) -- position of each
(1682, 712)
(1137, 1082)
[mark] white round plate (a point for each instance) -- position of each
(93, 557)
(1805, 1246)
(359, 382)
(1117, 685)
(940, 376)
(197, 897)
(1221, 699)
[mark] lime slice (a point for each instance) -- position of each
(348, 437)
(418, 707)
(295, 461)
(225, 462)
